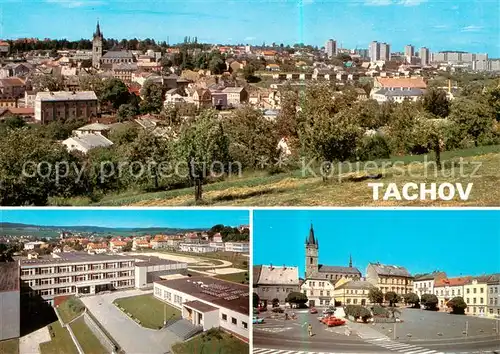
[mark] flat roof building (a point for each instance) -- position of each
(62, 105)
(81, 273)
(9, 301)
(207, 302)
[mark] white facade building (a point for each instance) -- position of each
(240, 247)
(32, 245)
(196, 247)
(208, 302)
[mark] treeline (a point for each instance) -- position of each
(229, 233)
(328, 126)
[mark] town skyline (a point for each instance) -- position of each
(469, 27)
(292, 228)
(135, 218)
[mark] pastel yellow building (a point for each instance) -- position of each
(390, 278)
(352, 292)
(476, 295)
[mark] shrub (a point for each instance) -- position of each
(373, 148)
(358, 311)
(380, 311)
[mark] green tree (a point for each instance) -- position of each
(127, 247)
(429, 301)
(150, 155)
(412, 299)
(152, 94)
(435, 102)
(376, 296)
(126, 111)
(256, 300)
(114, 93)
(473, 118)
(457, 305)
(252, 136)
(33, 168)
(14, 122)
(296, 298)
(287, 120)
(123, 135)
(204, 146)
(391, 297)
(48, 82)
(249, 73)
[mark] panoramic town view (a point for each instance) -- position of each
(116, 103)
(124, 281)
(381, 288)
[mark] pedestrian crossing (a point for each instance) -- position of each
(284, 351)
(398, 347)
(273, 329)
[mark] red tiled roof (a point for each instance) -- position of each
(452, 281)
(415, 82)
(3, 43)
(12, 81)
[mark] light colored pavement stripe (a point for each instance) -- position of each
(258, 350)
(429, 352)
(266, 351)
(421, 350)
(398, 345)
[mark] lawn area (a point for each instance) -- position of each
(70, 309)
(89, 342)
(241, 278)
(10, 346)
(212, 341)
(148, 310)
(61, 343)
(296, 188)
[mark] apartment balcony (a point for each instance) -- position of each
(81, 272)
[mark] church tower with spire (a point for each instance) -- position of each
(97, 47)
(312, 249)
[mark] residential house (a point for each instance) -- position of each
(424, 283)
(201, 98)
(398, 89)
(272, 67)
(217, 246)
(448, 288)
(117, 245)
(269, 54)
(493, 295)
(236, 65)
(322, 74)
(390, 278)
(352, 292)
(27, 114)
(219, 99)
(476, 295)
(236, 96)
(397, 95)
(114, 57)
(12, 87)
(94, 128)
(319, 291)
(97, 248)
(159, 241)
(139, 243)
(271, 282)
(86, 142)
(361, 94)
(217, 237)
(4, 48)
(15, 70)
(175, 96)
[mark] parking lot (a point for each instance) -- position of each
(422, 324)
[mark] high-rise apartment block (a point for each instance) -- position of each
(425, 56)
(380, 51)
(409, 52)
(331, 48)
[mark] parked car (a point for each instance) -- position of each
(278, 310)
(257, 320)
(313, 310)
(333, 322)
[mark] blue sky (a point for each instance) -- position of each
(468, 25)
(459, 242)
(127, 217)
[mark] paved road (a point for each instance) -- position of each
(277, 336)
(131, 337)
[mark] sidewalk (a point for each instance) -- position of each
(365, 330)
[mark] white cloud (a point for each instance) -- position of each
(250, 38)
(440, 26)
(471, 28)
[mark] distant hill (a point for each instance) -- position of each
(16, 229)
